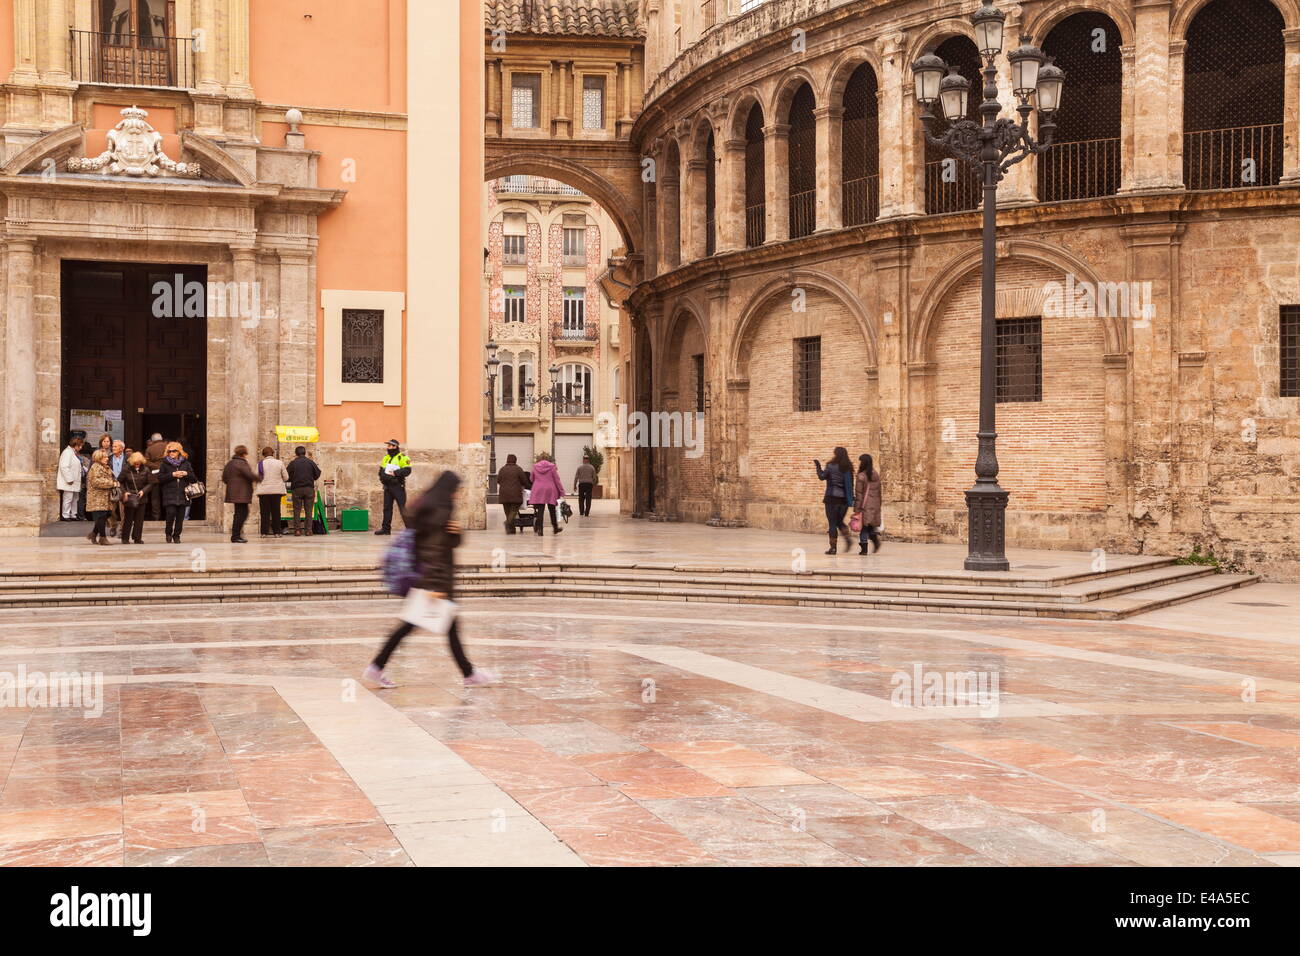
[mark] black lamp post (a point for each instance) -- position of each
(491, 365)
(552, 398)
(993, 146)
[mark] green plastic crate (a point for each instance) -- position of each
(355, 519)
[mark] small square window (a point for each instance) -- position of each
(1020, 360)
(514, 306)
(808, 374)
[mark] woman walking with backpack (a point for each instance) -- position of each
(866, 502)
(838, 475)
(429, 604)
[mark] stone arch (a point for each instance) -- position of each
(689, 478)
(1039, 24)
(805, 279)
(934, 34)
(742, 103)
(623, 209)
(1186, 12)
(920, 346)
(58, 146)
(846, 62)
(779, 105)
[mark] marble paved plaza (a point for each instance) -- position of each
(652, 733)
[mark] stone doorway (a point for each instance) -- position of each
(134, 340)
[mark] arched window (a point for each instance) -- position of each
(755, 180)
(710, 195)
(951, 184)
(505, 380)
(524, 379)
(803, 164)
(575, 390)
(860, 150)
(1233, 91)
(1085, 154)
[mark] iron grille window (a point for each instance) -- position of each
(755, 180)
(514, 307)
(859, 149)
(952, 185)
(803, 164)
(710, 196)
(697, 363)
(1233, 89)
(1289, 344)
(525, 100)
(593, 102)
(1085, 155)
(1020, 360)
(575, 301)
(363, 345)
(808, 374)
(515, 250)
(575, 247)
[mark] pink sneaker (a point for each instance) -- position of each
(478, 678)
(373, 673)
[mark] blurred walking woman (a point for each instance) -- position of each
(137, 484)
(866, 502)
(838, 475)
(429, 605)
(175, 474)
(99, 486)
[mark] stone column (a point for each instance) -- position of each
(1020, 185)
(776, 158)
(237, 43)
(730, 196)
(1127, 141)
(26, 69)
(492, 115)
(900, 162)
(56, 43)
(670, 204)
(693, 211)
(206, 58)
(653, 62)
(297, 320)
(830, 132)
(1158, 113)
(242, 399)
(717, 409)
(1119, 487)
(20, 359)
(1291, 109)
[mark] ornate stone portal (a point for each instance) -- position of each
(134, 149)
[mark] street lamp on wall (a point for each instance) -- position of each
(992, 146)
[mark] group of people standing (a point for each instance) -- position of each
(847, 493)
(271, 481)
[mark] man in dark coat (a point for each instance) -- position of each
(511, 482)
(303, 475)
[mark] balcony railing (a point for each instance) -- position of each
(861, 200)
(588, 332)
(538, 185)
(125, 59)
(1233, 158)
(756, 224)
(1080, 170)
(803, 213)
(960, 195)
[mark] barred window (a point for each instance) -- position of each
(952, 185)
(593, 102)
(755, 179)
(802, 172)
(808, 374)
(697, 362)
(1084, 160)
(575, 301)
(515, 250)
(859, 150)
(514, 303)
(1289, 344)
(363, 346)
(710, 196)
(1020, 360)
(525, 100)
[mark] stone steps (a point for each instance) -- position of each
(1142, 586)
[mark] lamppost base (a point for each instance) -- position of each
(986, 509)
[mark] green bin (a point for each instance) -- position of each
(355, 519)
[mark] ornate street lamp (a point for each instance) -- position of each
(552, 398)
(491, 366)
(993, 147)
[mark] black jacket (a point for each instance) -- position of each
(435, 547)
(173, 489)
(303, 472)
(137, 481)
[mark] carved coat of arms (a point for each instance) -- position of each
(134, 149)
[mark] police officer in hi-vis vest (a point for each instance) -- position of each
(393, 471)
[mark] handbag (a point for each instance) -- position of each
(565, 511)
(115, 494)
(427, 612)
(855, 523)
(194, 490)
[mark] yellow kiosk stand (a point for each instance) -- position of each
(301, 435)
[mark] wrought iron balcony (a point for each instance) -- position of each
(588, 333)
(128, 59)
(1233, 158)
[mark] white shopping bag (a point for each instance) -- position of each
(427, 612)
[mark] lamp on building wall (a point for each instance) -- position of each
(491, 365)
(992, 146)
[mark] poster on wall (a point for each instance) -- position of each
(97, 421)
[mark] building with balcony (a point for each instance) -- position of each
(222, 216)
(548, 245)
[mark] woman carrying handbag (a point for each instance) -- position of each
(137, 482)
(866, 504)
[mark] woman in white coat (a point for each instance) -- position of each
(69, 480)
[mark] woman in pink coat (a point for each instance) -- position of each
(545, 490)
